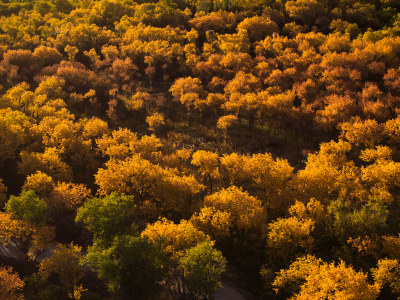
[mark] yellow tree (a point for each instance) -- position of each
(218, 21)
(39, 182)
(392, 130)
(261, 174)
(328, 174)
(164, 187)
(235, 43)
(382, 174)
(337, 109)
(122, 143)
(52, 88)
(65, 262)
(305, 10)
(359, 132)
(231, 214)
(208, 164)
(391, 246)
(311, 278)
(242, 99)
(155, 120)
(116, 145)
(137, 101)
(11, 284)
(258, 28)
(189, 92)
(387, 274)
(69, 196)
(289, 236)
(69, 139)
(30, 239)
(14, 133)
(177, 239)
(93, 129)
(49, 162)
(224, 123)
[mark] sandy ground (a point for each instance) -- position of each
(229, 292)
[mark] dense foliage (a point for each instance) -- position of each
(150, 148)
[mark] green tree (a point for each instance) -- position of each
(28, 207)
(108, 216)
(134, 265)
(203, 266)
(350, 221)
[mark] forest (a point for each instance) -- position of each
(163, 149)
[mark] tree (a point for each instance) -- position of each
(226, 5)
(3, 193)
(328, 174)
(287, 237)
(132, 264)
(392, 129)
(336, 43)
(123, 143)
(277, 107)
(71, 52)
(391, 246)
(29, 239)
(23, 60)
(137, 101)
(258, 28)
(178, 237)
(52, 88)
(108, 216)
(94, 128)
(243, 83)
(39, 182)
(382, 172)
(107, 12)
(189, 92)
(69, 195)
(11, 284)
(203, 266)
(336, 110)
(387, 273)
(260, 173)
(155, 121)
(358, 132)
(311, 278)
(208, 164)
(180, 241)
(163, 186)
(120, 257)
(65, 262)
(351, 221)
(47, 56)
(28, 207)
(305, 10)
(231, 213)
(235, 43)
(218, 21)
(242, 98)
(225, 122)
(13, 134)
(82, 36)
(49, 162)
